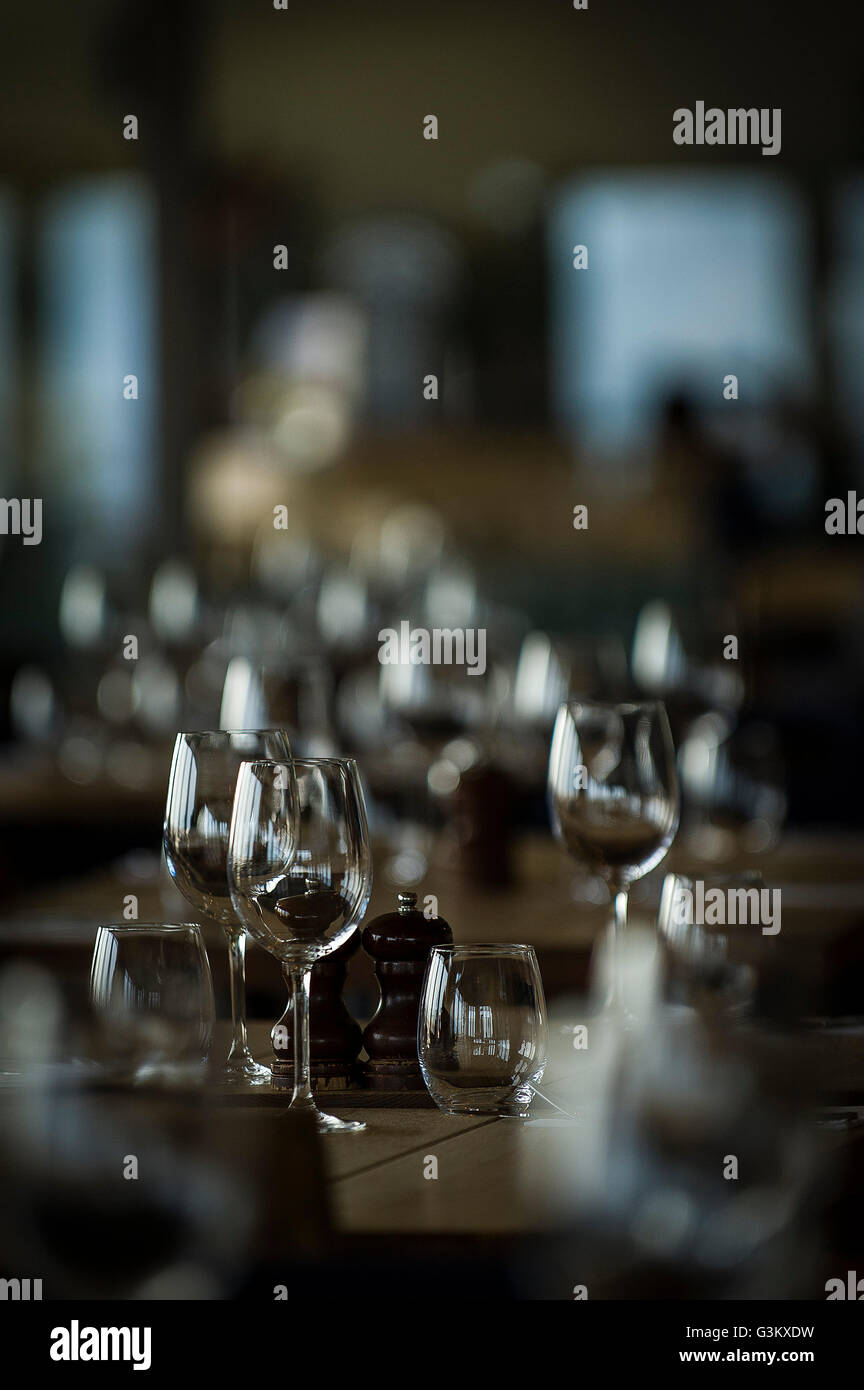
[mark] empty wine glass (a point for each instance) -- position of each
(701, 962)
(280, 694)
(300, 870)
(613, 796)
(150, 985)
(481, 1036)
(197, 817)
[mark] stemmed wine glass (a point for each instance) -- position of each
(197, 817)
(613, 797)
(300, 872)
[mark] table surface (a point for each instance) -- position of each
(493, 1175)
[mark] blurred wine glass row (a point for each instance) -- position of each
(299, 650)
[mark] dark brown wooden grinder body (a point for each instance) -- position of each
(399, 944)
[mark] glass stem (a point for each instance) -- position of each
(237, 974)
(619, 925)
(300, 977)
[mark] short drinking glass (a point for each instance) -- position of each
(481, 1034)
(151, 988)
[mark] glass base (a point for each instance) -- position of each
(329, 1124)
(839, 1120)
(490, 1114)
(243, 1071)
(506, 1102)
(324, 1123)
(166, 1076)
(612, 1014)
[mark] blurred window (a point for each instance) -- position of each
(97, 284)
(847, 305)
(8, 373)
(689, 278)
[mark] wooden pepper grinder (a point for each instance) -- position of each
(334, 1038)
(399, 944)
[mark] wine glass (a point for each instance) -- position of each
(613, 797)
(197, 817)
(300, 871)
(701, 962)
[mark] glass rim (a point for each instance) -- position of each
(300, 762)
(615, 706)
(493, 948)
(227, 733)
(152, 928)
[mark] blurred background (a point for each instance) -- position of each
(286, 372)
(370, 386)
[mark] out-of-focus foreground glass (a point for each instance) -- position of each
(151, 988)
(702, 966)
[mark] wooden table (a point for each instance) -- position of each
(377, 1181)
(498, 1177)
(490, 1172)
